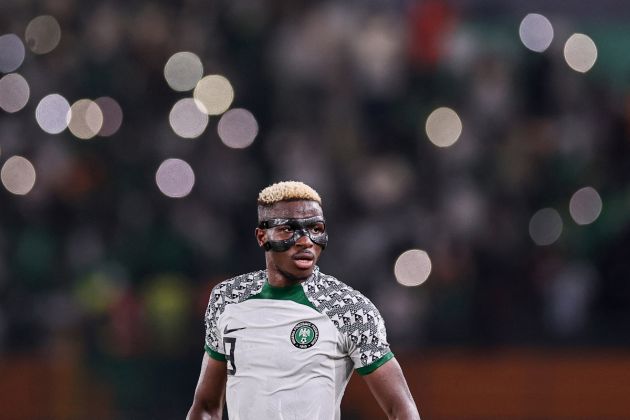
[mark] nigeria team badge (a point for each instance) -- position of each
(304, 335)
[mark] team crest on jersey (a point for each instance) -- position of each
(304, 335)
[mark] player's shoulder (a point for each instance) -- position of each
(331, 295)
(238, 288)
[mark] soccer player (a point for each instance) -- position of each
(281, 343)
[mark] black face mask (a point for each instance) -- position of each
(282, 234)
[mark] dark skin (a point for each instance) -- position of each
(298, 262)
(387, 383)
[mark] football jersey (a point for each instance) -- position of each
(290, 351)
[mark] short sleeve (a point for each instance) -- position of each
(367, 345)
(213, 341)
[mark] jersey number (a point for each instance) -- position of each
(229, 343)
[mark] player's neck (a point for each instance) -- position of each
(279, 278)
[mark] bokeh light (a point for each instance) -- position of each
(186, 119)
(175, 178)
(112, 115)
(97, 291)
(214, 94)
(536, 32)
(167, 300)
(11, 53)
(86, 119)
(183, 71)
(585, 206)
(580, 52)
(388, 177)
(545, 226)
(14, 92)
(443, 127)
(43, 34)
(18, 175)
(237, 128)
(412, 267)
(53, 113)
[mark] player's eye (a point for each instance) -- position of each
(284, 229)
(317, 228)
(282, 232)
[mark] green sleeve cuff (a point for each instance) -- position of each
(215, 355)
(365, 370)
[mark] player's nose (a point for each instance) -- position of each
(304, 241)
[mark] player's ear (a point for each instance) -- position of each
(261, 236)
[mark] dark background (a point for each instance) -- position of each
(104, 280)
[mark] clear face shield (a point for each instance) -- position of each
(282, 234)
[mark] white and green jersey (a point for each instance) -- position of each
(290, 351)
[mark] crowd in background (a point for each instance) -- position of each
(97, 258)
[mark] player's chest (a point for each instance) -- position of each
(276, 336)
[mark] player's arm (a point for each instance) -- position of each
(388, 385)
(210, 392)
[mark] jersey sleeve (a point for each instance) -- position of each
(214, 340)
(367, 339)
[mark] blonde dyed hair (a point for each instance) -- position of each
(287, 191)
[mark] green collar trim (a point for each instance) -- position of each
(294, 293)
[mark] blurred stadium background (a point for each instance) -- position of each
(480, 145)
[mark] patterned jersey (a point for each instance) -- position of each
(290, 351)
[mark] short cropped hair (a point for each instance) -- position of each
(287, 191)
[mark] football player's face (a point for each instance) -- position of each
(299, 260)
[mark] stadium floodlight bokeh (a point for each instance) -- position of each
(14, 92)
(545, 226)
(42, 34)
(187, 120)
(112, 115)
(585, 206)
(175, 178)
(580, 52)
(443, 127)
(53, 113)
(18, 175)
(12, 52)
(412, 267)
(86, 119)
(536, 32)
(214, 94)
(237, 128)
(183, 71)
